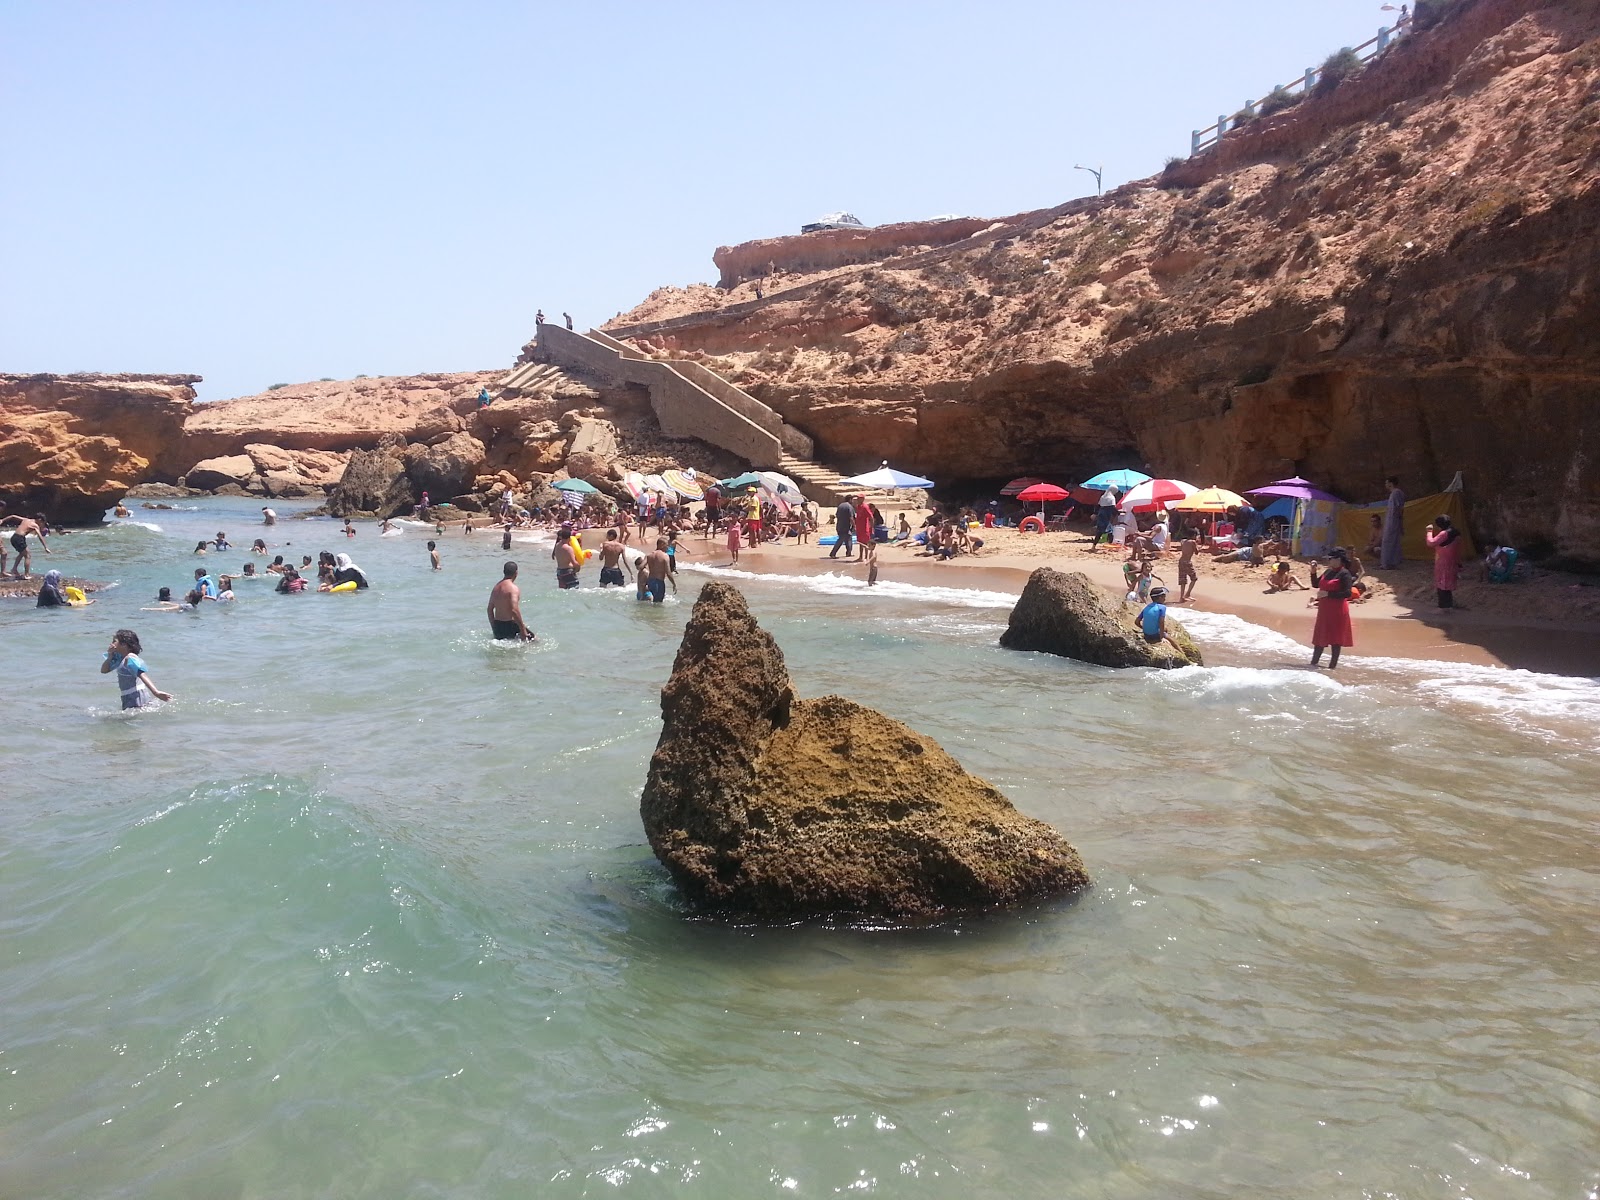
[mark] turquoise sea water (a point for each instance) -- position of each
(368, 911)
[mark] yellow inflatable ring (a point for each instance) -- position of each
(344, 587)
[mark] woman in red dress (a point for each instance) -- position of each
(866, 522)
(1333, 609)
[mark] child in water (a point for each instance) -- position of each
(433, 554)
(133, 678)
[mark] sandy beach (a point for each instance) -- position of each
(1548, 623)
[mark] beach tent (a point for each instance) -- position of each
(1354, 524)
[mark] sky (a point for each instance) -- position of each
(277, 191)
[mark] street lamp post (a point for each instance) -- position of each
(1095, 171)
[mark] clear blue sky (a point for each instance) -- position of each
(274, 192)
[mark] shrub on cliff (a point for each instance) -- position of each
(1335, 69)
(1279, 99)
(275, 386)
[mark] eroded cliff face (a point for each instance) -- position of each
(1399, 277)
(71, 445)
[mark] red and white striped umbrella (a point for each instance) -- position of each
(1156, 493)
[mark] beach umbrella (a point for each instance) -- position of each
(634, 482)
(781, 485)
(1293, 488)
(683, 484)
(1211, 500)
(739, 482)
(1121, 480)
(1043, 493)
(1156, 493)
(575, 487)
(887, 479)
(657, 484)
(1016, 485)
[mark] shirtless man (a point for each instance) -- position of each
(1187, 576)
(566, 560)
(657, 568)
(19, 543)
(505, 608)
(612, 560)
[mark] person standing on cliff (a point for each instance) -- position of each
(844, 524)
(566, 316)
(1394, 525)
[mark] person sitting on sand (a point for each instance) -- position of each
(1282, 579)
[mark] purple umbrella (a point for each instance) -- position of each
(1294, 488)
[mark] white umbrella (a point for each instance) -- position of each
(780, 485)
(1156, 493)
(887, 478)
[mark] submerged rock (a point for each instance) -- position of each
(763, 803)
(1067, 614)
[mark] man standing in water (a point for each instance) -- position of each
(612, 560)
(1394, 525)
(566, 559)
(268, 517)
(657, 570)
(505, 608)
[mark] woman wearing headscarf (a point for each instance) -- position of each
(345, 571)
(1333, 609)
(50, 593)
(1445, 539)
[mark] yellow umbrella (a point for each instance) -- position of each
(1211, 500)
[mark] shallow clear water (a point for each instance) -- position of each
(368, 911)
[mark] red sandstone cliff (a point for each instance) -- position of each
(71, 445)
(1402, 276)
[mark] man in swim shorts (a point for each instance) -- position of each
(657, 569)
(19, 542)
(505, 608)
(566, 559)
(611, 560)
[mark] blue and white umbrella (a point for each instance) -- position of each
(887, 478)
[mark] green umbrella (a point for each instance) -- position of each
(575, 485)
(748, 479)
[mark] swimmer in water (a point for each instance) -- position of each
(505, 537)
(433, 554)
(259, 546)
(349, 529)
(133, 677)
(121, 510)
(658, 568)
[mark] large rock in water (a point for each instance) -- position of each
(375, 483)
(1069, 615)
(762, 803)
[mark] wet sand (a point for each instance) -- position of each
(1394, 622)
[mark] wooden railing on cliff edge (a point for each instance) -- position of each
(1204, 139)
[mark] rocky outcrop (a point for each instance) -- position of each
(824, 248)
(1398, 277)
(212, 473)
(375, 483)
(338, 415)
(759, 802)
(446, 469)
(72, 445)
(1064, 613)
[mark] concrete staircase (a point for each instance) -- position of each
(820, 484)
(532, 377)
(689, 401)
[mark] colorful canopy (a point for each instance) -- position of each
(1294, 488)
(657, 484)
(1121, 479)
(1156, 493)
(781, 486)
(634, 482)
(684, 484)
(887, 478)
(575, 485)
(1042, 492)
(1016, 485)
(1211, 499)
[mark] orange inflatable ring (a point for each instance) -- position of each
(1030, 525)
